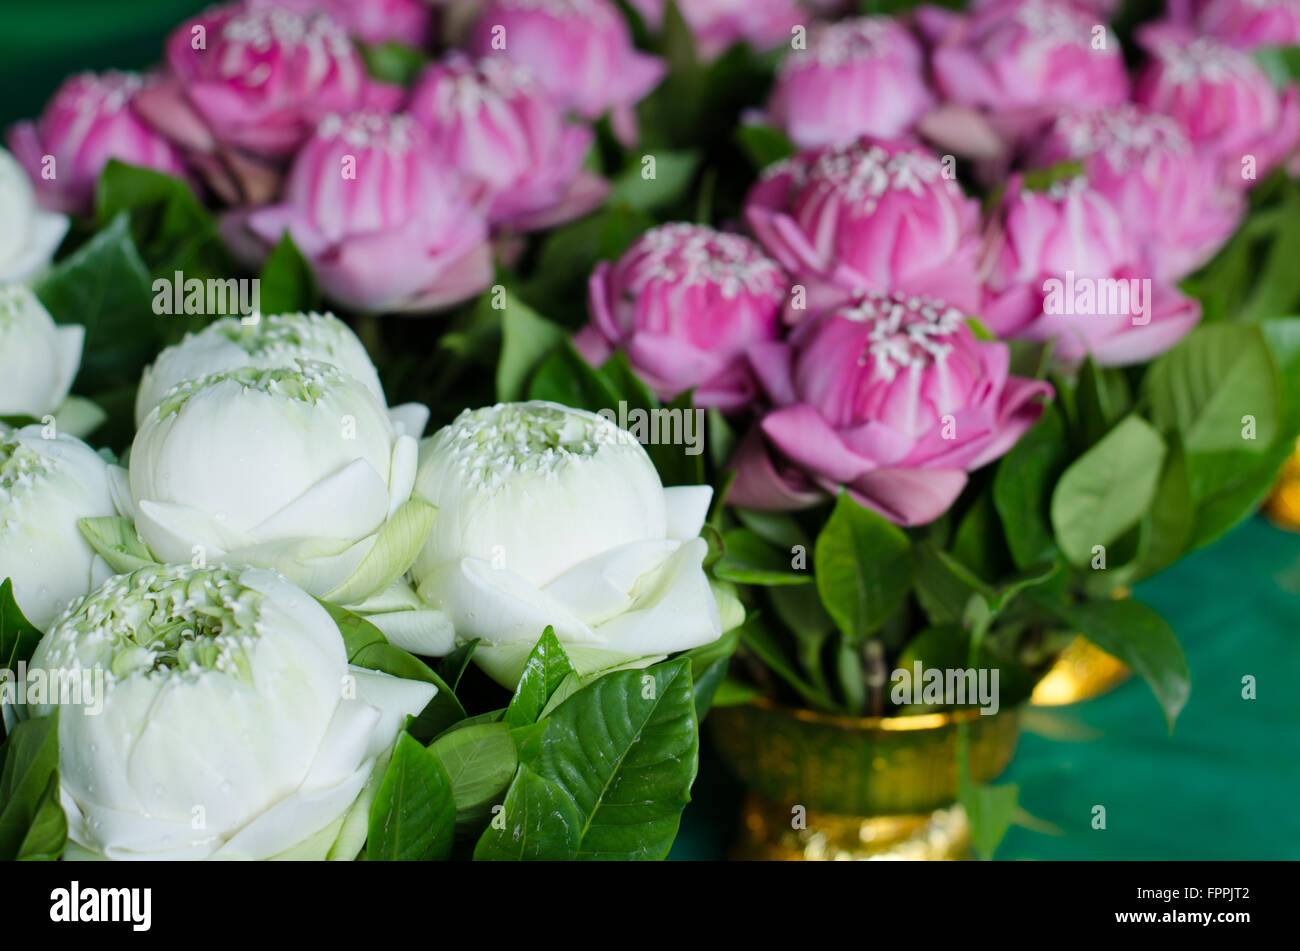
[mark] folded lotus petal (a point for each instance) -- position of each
(585, 193)
(963, 130)
(688, 507)
(47, 231)
(130, 837)
(312, 563)
(119, 488)
(771, 365)
(409, 419)
(293, 819)
(401, 473)
(395, 548)
(353, 501)
(971, 429)
(499, 606)
(459, 279)
(803, 435)
(425, 632)
(592, 345)
(909, 496)
(759, 485)
(876, 442)
(163, 105)
(269, 224)
(1023, 402)
(673, 611)
(605, 585)
(172, 531)
(1171, 316)
(395, 698)
(668, 363)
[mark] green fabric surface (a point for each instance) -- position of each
(1224, 785)
(43, 42)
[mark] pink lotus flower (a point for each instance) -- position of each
(580, 50)
(245, 86)
(717, 25)
(863, 76)
(1225, 102)
(686, 302)
(385, 226)
(1011, 65)
(495, 124)
(1168, 194)
(890, 397)
(1245, 24)
(872, 215)
(371, 21)
(89, 121)
(1061, 265)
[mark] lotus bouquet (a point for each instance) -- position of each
(414, 419)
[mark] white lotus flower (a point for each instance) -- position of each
(554, 516)
(298, 470)
(269, 341)
(38, 358)
(29, 235)
(227, 725)
(46, 486)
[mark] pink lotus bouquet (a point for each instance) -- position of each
(763, 348)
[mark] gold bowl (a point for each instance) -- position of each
(823, 786)
(1283, 506)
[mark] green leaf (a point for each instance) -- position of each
(393, 62)
(1022, 489)
(31, 763)
(630, 778)
(537, 822)
(526, 339)
(545, 669)
(944, 585)
(413, 816)
(1102, 399)
(672, 173)
(748, 559)
(1205, 386)
(1142, 639)
(1105, 491)
(452, 667)
(170, 227)
(989, 810)
(288, 283)
(18, 636)
(48, 834)
(863, 567)
(764, 145)
(104, 286)
(479, 760)
(565, 378)
(758, 639)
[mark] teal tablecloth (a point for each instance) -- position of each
(1224, 785)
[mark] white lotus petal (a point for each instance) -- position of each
(677, 612)
(688, 506)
